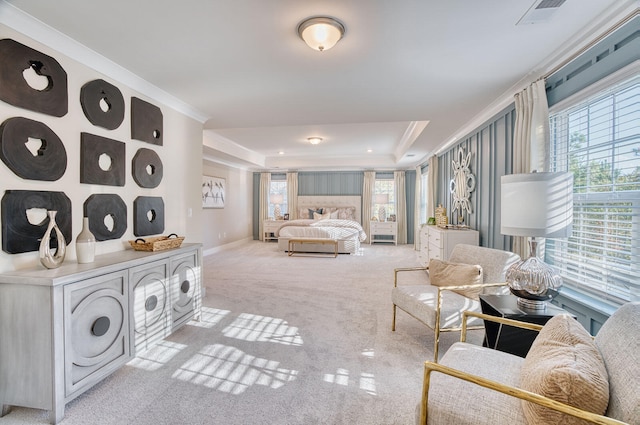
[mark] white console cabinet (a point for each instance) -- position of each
(437, 242)
(63, 330)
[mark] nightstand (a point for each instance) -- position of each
(383, 228)
(270, 227)
(508, 338)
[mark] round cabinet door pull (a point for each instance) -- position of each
(100, 326)
(151, 303)
(185, 286)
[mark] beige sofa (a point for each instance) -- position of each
(440, 307)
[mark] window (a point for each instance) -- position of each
(384, 199)
(278, 199)
(424, 180)
(598, 139)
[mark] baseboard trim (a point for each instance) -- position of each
(215, 249)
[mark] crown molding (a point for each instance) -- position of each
(37, 30)
(584, 37)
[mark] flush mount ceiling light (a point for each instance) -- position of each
(314, 140)
(321, 32)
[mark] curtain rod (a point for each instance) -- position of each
(592, 43)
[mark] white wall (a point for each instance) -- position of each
(181, 156)
(221, 226)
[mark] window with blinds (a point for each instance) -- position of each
(598, 139)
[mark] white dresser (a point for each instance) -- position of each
(383, 228)
(437, 242)
(64, 330)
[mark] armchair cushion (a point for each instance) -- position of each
(420, 302)
(454, 401)
(444, 273)
(564, 364)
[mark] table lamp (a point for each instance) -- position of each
(382, 199)
(276, 199)
(536, 205)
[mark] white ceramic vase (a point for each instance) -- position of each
(85, 244)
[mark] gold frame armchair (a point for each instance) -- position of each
(479, 385)
(441, 307)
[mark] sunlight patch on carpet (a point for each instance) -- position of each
(230, 370)
(255, 328)
(157, 356)
(369, 353)
(366, 383)
(210, 317)
(341, 377)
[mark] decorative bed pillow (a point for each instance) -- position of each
(346, 213)
(311, 212)
(317, 216)
(564, 364)
(444, 273)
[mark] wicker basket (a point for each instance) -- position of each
(157, 243)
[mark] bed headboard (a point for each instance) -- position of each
(332, 201)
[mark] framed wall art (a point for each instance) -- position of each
(213, 192)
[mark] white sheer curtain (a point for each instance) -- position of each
(263, 208)
(531, 133)
(401, 205)
(368, 187)
(530, 140)
(432, 185)
(292, 195)
(417, 218)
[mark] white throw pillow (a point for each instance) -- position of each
(317, 216)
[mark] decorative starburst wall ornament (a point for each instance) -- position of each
(461, 185)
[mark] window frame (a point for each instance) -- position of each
(278, 187)
(581, 275)
(380, 189)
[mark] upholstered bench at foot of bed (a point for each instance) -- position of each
(345, 246)
(300, 241)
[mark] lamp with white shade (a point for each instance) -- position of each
(382, 199)
(276, 199)
(536, 205)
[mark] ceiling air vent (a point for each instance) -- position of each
(540, 11)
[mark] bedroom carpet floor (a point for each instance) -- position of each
(283, 340)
